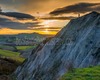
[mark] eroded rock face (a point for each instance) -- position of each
(76, 45)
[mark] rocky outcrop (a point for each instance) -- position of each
(26, 53)
(77, 45)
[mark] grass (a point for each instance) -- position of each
(91, 73)
(12, 55)
(24, 47)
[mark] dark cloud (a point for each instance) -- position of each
(17, 15)
(59, 18)
(77, 8)
(47, 28)
(7, 23)
(36, 28)
(4, 20)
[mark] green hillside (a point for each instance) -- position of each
(11, 55)
(91, 73)
(24, 47)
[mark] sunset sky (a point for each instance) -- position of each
(42, 16)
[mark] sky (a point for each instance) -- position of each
(42, 16)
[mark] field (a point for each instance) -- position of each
(24, 47)
(11, 55)
(91, 73)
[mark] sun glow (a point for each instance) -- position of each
(46, 30)
(45, 27)
(48, 23)
(7, 31)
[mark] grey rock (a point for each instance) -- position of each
(77, 45)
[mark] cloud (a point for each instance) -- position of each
(7, 23)
(46, 28)
(33, 6)
(58, 18)
(17, 15)
(36, 28)
(77, 8)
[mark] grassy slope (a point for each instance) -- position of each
(24, 47)
(91, 73)
(12, 55)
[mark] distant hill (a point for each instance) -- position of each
(21, 39)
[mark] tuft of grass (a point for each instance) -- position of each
(12, 55)
(91, 73)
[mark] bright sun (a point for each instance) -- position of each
(48, 23)
(46, 30)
